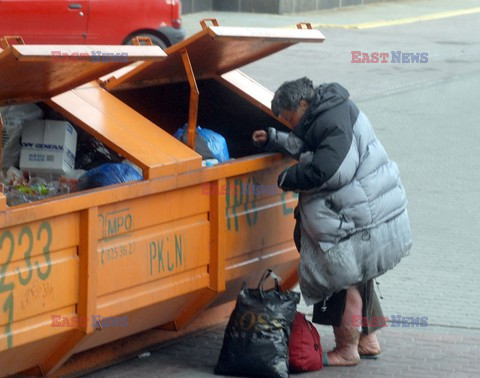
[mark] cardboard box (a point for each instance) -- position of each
(48, 147)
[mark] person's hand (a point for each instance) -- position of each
(259, 138)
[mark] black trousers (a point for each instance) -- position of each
(331, 312)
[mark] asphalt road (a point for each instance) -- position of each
(427, 116)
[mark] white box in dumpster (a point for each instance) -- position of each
(48, 147)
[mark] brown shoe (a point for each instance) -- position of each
(368, 346)
(346, 350)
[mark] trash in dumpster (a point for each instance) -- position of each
(14, 117)
(92, 153)
(233, 118)
(209, 162)
(208, 143)
(20, 188)
(134, 166)
(108, 174)
(43, 158)
(48, 146)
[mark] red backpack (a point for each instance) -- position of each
(304, 346)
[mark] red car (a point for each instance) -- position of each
(95, 22)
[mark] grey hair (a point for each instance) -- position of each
(288, 95)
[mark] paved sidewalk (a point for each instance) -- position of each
(373, 15)
(406, 352)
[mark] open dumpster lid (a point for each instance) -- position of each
(213, 51)
(30, 73)
(121, 128)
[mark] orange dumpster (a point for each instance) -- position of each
(87, 268)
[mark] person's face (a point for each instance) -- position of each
(293, 117)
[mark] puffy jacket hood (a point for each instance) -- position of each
(327, 96)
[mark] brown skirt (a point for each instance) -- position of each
(330, 312)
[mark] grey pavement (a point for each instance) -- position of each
(374, 12)
(427, 117)
(406, 353)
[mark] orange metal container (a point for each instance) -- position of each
(158, 252)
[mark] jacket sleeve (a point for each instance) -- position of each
(325, 168)
(286, 143)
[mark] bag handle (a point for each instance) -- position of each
(266, 274)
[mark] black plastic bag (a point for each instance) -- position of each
(257, 334)
(91, 152)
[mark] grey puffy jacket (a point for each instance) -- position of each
(345, 179)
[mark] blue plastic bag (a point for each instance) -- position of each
(108, 174)
(217, 145)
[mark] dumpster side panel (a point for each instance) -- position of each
(139, 320)
(258, 213)
(259, 221)
(38, 286)
(152, 249)
(36, 351)
(153, 262)
(150, 254)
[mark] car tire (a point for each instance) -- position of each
(157, 41)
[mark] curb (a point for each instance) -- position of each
(279, 7)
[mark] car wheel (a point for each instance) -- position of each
(157, 41)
